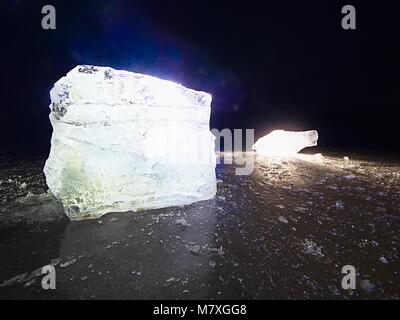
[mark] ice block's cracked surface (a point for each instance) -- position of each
(127, 141)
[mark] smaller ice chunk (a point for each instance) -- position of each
(285, 143)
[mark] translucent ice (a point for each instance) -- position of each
(285, 143)
(127, 141)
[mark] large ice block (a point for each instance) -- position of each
(127, 141)
(285, 143)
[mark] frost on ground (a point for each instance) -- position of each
(285, 231)
(24, 197)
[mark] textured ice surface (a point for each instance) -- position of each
(285, 143)
(127, 141)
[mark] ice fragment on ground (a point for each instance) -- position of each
(68, 263)
(383, 260)
(285, 143)
(212, 263)
(367, 285)
(182, 222)
(170, 280)
(282, 219)
(23, 185)
(311, 248)
(339, 204)
(195, 249)
(11, 281)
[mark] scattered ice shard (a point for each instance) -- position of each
(127, 141)
(285, 143)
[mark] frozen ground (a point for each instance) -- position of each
(285, 231)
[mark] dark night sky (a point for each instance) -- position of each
(282, 64)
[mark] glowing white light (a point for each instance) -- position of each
(285, 143)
